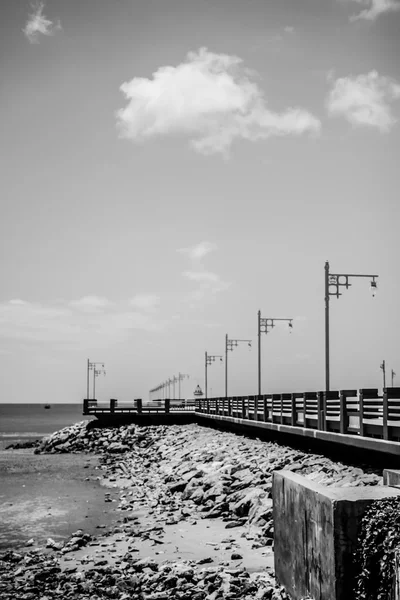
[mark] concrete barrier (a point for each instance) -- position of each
(315, 531)
(391, 477)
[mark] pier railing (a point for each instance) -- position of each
(93, 407)
(363, 412)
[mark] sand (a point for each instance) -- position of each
(44, 496)
(51, 496)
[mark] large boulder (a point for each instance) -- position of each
(254, 498)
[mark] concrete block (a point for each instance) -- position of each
(391, 477)
(315, 531)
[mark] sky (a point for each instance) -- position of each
(170, 167)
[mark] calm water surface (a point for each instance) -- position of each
(21, 422)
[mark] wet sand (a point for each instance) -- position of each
(44, 496)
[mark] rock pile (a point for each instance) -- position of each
(172, 474)
(38, 576)
(181, 471)
(23, 445)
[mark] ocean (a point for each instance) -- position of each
(23, 422)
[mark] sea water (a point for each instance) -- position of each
(24, 422)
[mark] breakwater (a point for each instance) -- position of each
(164, 480)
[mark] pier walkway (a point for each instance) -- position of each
(359, 419)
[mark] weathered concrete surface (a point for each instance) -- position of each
(316, 530)
(368, 444)
(391, 477)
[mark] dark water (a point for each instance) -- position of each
(23, 422)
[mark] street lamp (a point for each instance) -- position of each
(91, 366)
(264, 325)
(383, 367)
(156, 389)
(163, 386)
(336, 281)
(230, 345)
(209, 359)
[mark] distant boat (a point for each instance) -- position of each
(47, 406)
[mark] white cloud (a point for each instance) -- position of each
(201, 276)
(364, 100)
(145, 301)
(91, 303)
(209, 284)
(289, 29)
(374, 8)
(212, 99)
(199, 251)
(78, 322)
(37, 24)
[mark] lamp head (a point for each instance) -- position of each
(374, 287)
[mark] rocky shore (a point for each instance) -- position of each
(173, 485)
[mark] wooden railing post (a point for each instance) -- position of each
(269, 397)
(265, 408)
(256, 408)
(139, 405)
(304, 409)
(113, 404)
(361, 411)
(275, 398)
(229, 406)
(249, 399)
(385, 414)
(293, 419)
(344, 418)
(243, 408)
(86, 406)
(321, 411)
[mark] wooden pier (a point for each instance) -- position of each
(363, 419)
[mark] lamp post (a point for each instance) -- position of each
(383, 367)
(336, 281)
(163, 386)
(209, 359)
(393, 376)
(264, 325)
(230, 345)
(91, 366)
(156, 389)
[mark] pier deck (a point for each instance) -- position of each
(362, 419)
